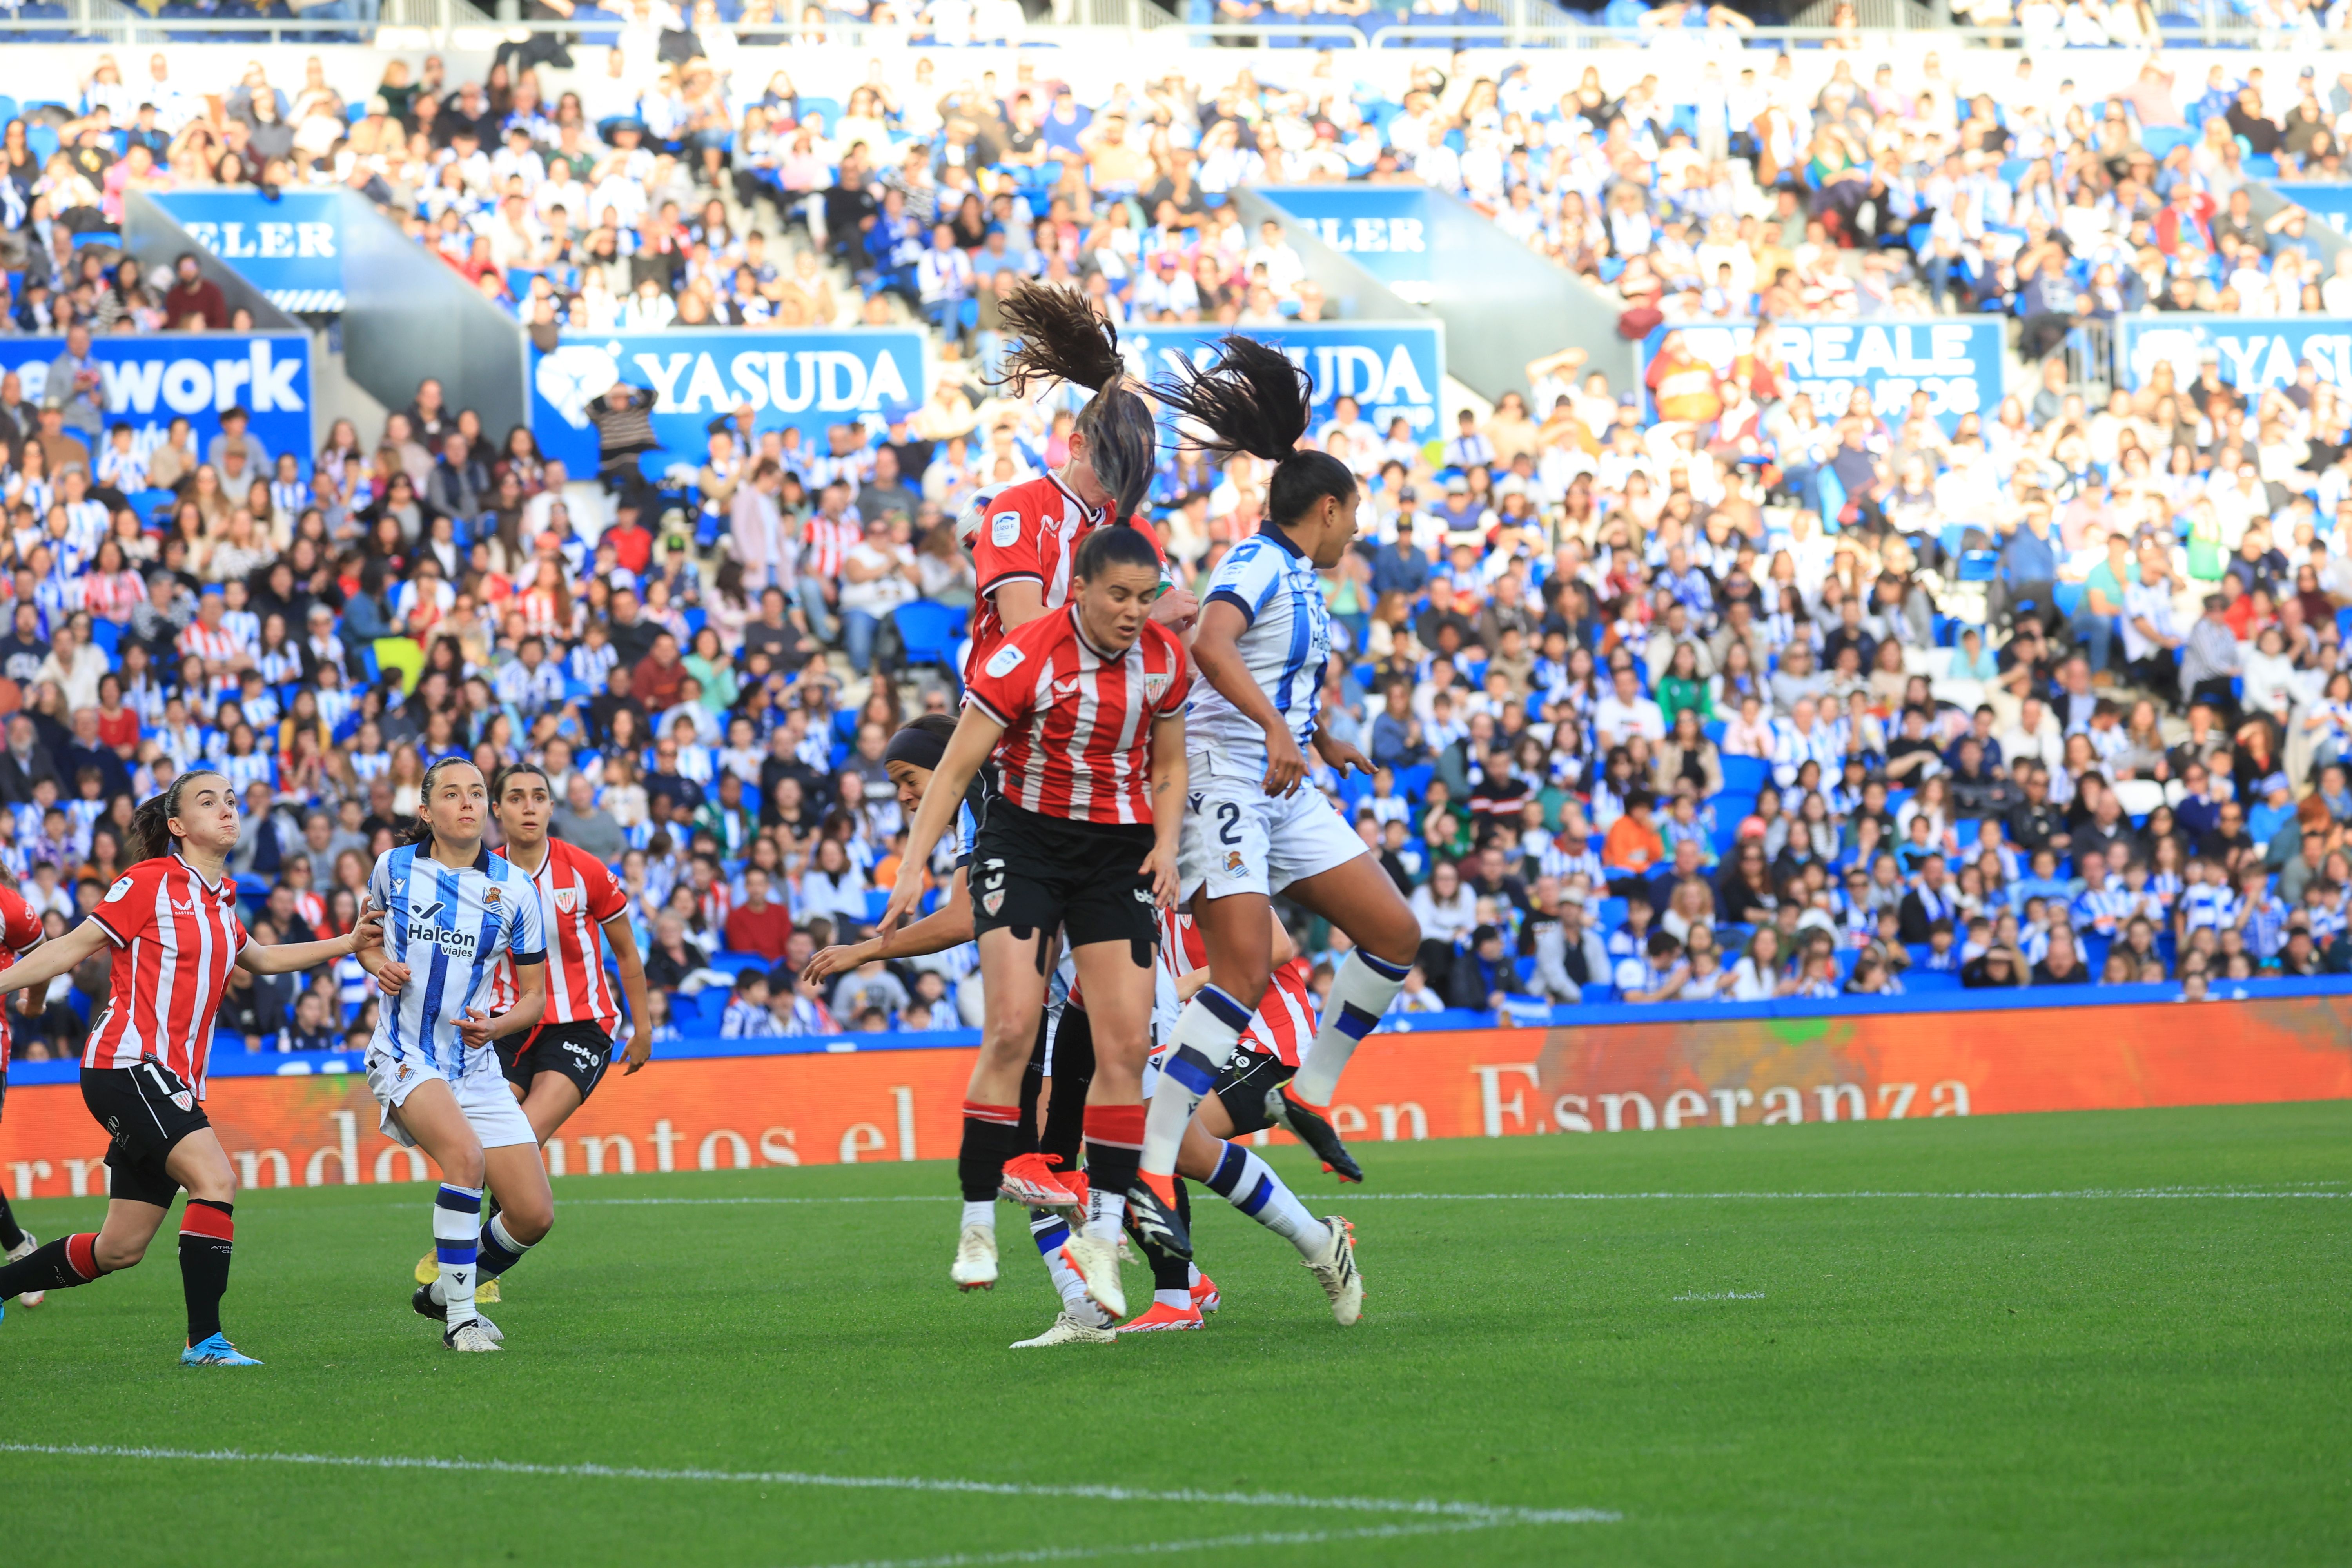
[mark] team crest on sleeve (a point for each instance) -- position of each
(1004, 661)
(114, 894)
(184, 1100)
(1004, 529)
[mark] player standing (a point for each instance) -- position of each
(556, 1067)
(1252, 830)
(173, 921)
(20, 932)
(451, 908)
(1088, 704)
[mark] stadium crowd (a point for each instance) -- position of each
(1686, 691)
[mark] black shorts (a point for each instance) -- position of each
(146, 1111)
(580, 1052)
(1034, 873)
(1242, 1086)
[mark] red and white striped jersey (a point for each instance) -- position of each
(1025, 533)
(826, 544)
(1284, 1024)
(207, 642)
(20, 932)
(175, 937)
(1077, 721)
(577, 894)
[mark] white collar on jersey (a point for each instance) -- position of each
(210, 887)
(1091, 513)
(1078, 629)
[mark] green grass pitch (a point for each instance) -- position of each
(1764, 1374)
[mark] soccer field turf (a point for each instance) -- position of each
(2114, 1337)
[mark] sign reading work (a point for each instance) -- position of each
(288, 246)
(2253, 352)
(151, 380)
(812, 380)
(1391, 368)
(1955, 361)
(1384, 229)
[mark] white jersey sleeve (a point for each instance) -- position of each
(527, 926)
(1283, 644)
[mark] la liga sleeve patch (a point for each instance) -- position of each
(1004, 661)
(1004, 529)
(114, 895)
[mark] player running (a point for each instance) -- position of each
(451, 910)
(1088, 703)
(1252, 830)
(20, 932)
(556, 1067)
(173, 921)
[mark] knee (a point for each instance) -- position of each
(528, 1221)
(116, 1256)
(1244, 982)
(464, 1170)
(1399, 938)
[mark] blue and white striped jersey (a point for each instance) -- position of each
(448, 925)
(1274, 586)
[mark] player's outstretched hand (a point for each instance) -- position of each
(1286, 764)
(392, 979)
(1343, 757)
(839, 959)
(1160, 867)
(903, 894)
(1177, 608)
(369, 932)
(476, 1027)
(640, 1048)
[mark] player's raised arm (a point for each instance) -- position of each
(55, 958)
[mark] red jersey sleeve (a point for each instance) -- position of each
(20, 927)
(607, 898)
(127, 911)
(1005, 534)
(1005, 687)
(1180, 679)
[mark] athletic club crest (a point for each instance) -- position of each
(184, 1100)
(565, 898)
(1155, 687)
(992, 900)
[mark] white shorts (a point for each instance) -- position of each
(1239, 839)
(497, 1117)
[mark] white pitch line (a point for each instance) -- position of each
(2306, 1190)
(1158, 1547)
(1483, 1513)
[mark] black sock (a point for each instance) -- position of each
(207, 1239)
(1112, 1167)
(1169, 1272)
(60, 1265)
(498, 1250)
(1074, 1075)
(11, 1237)
(992, 1135)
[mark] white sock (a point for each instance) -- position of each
(1181, 1301)
(1105, 1215)
(1206, 1034)
(1050, 1231)
(1192, 1277)
(457, 1240)
(982, 1214)
(1360, 993)
(1249, 1183)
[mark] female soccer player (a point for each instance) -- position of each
(1253, 830)
(1088, 703)
(20, 932)
(452, 909)
(173, 921)
(556, 1067)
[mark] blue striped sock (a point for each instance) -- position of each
(456, 1242)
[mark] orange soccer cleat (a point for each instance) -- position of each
(1163, 1319)
(1029, 1181)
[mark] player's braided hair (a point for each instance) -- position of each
(150, 825)
(422, 832)
(1252, 400)
(1059, 337)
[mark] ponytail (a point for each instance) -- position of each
(1255, 401)
(1061, 337)
(150, 825)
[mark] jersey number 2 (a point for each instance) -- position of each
(1229, 822)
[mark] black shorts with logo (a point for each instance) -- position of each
(580, 1052)
(1036, 873)
(1242, 1086)
(146, 1111)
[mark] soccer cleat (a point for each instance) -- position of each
(487, 1290)
(1029, 1181)
(1162, 1318)
(470, 1335)
(1205, 1299)
(1336, 1271)
(1156, 1223)
(1076, 1182)
(215, 1351)
(426, 1307)
(1312, 1128)
(975, 1260)
(1068, 1330)
(26, 1249)
(428, 1269)
(1097, 1264)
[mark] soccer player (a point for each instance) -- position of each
(1253, 830)
(173, 921)
(556, 1067)
(451, 908)
(1088, 703)
(20, 932)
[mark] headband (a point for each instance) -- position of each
(917, 747)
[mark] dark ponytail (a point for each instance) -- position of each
(150, 825)
(1252, 400)
(1059, 337)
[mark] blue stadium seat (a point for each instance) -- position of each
(108, 636)
(929, 630)
(2067, 596)
(1744, 775)
(1978, 567)
(2160, 140)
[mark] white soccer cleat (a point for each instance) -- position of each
(1336, 1271)
(473, 1335)
(24, 1249)
(975, 1260)
(1097, 1264)
(1069, 1331)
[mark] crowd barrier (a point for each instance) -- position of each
(753, 1104)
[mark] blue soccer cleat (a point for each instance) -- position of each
(215, 1351)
